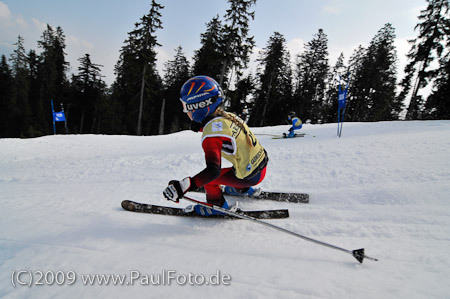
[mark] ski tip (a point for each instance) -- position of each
(358, 254)
(127, 205)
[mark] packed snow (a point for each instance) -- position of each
(382, 186)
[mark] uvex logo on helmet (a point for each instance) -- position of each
(199, 105)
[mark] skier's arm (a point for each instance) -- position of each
(212, 146)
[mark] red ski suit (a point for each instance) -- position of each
(213, 176)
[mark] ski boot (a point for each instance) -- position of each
(246, 192)
(291, 134)
(204, 211)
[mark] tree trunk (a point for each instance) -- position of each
(161, 118)
(141, 103)
(267, 100)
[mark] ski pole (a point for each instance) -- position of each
(357, 253)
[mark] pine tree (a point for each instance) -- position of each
(137, 86)
(88, 93)
(52, 71)
(312, 70)
(433, 29)
(334, 78)
(53, 65)
(20, 110)
(208, 59)
(437, 105)
(373, 89)
(239, 98)
(40, 115)
(381, 60)
(6, 99)
(357, 84)
(19, 57)
(273, 97)
(238, 45)
(177, 72)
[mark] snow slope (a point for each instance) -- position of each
(382, 186)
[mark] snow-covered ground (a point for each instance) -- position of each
(382, 186)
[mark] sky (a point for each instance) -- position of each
(100, 27)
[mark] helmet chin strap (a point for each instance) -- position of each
(196, 126)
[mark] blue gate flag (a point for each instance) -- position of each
(59, 116)
(342, 97)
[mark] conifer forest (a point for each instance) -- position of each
(142, 101)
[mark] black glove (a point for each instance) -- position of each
(177, 189)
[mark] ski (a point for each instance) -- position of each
(283, 196)
(163, 210)
(276, 196)
(284, 135)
